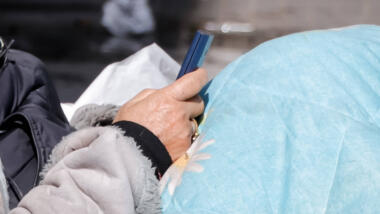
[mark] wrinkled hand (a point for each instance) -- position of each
(167, 112)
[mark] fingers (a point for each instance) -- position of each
(194, 106)
(194, 126)
(188, 86)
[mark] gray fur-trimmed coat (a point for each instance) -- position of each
(93, 170)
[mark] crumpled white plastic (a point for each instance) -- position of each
(151, 67)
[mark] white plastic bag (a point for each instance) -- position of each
(150, 67)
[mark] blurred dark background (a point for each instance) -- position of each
(69, 37)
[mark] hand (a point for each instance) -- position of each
(167, 112)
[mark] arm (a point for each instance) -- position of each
(102, 170)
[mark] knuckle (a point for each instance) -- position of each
(183, 117)
(147, 91)
(189, 132)
(166, 92)
(202, 104)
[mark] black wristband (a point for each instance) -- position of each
(149, 143)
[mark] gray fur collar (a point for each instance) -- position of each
(101, 115)
(94, 115)
(4, 198)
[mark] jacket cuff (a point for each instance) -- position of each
(149, 143)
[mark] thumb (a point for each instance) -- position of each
(188, 86)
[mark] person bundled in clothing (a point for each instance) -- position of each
(107, 160)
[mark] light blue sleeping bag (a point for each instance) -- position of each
(293, 126)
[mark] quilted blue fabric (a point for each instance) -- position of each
(296, 129)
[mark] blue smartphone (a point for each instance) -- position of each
(196, 53)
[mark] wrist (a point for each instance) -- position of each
(150, 145)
